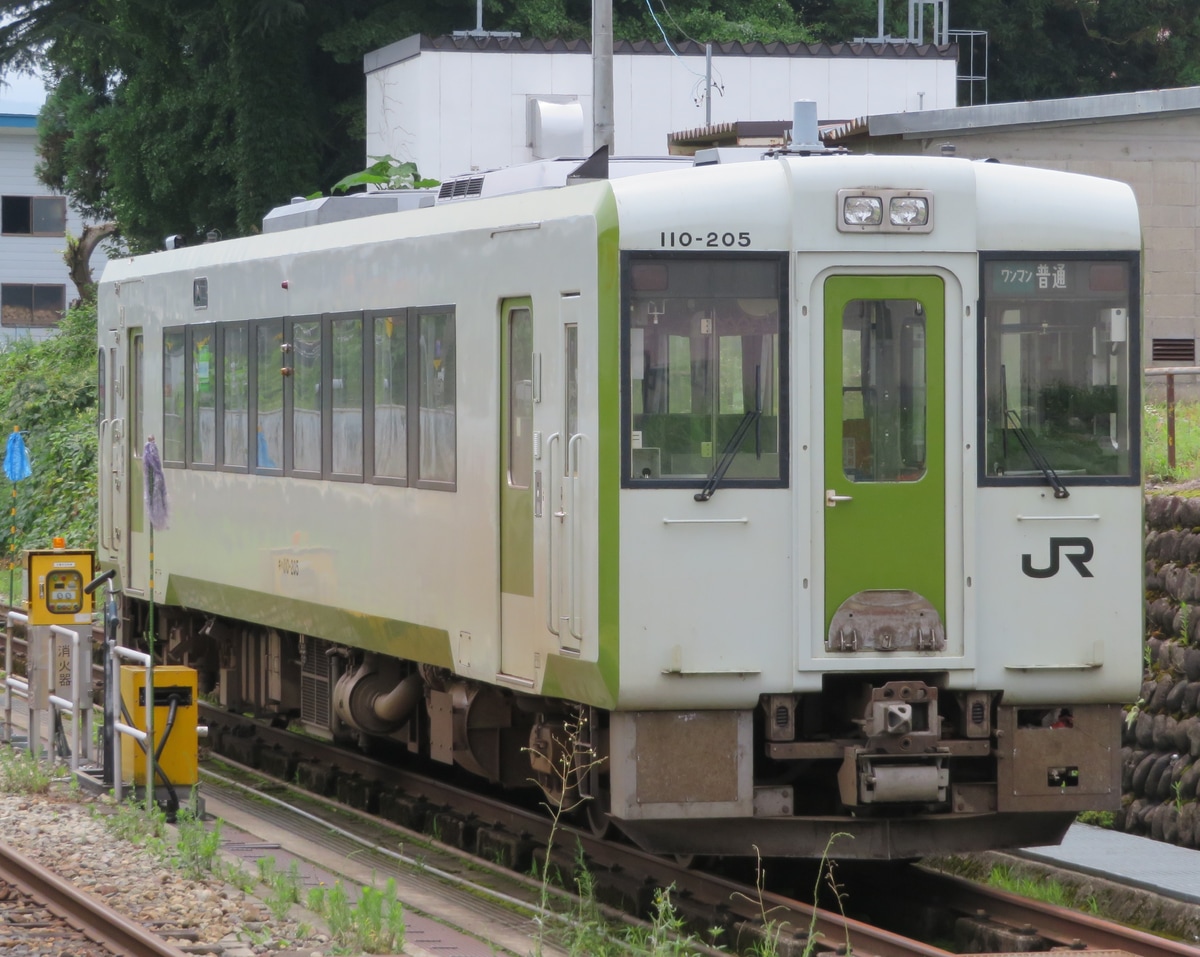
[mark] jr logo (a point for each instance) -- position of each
(1079, 558)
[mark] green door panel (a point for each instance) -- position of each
(884, 437)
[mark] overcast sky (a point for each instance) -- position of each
(21, 94)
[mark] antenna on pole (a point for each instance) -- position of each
(479, 31)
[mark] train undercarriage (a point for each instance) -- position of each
(890, 766)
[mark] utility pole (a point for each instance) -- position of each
(602, 75)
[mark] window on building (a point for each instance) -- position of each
(33, 215)
(31, 306)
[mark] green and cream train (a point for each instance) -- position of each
(804, 492)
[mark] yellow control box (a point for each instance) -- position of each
(178, 762)
(56, 577)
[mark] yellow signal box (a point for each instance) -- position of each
(179, 761)
(55, 578)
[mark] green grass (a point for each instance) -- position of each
(1155, 466)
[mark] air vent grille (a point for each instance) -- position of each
(464, 188)
(1178, 351)
(314, 683)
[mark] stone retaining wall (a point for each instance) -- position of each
(1161, 741)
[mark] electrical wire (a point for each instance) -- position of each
(697, 93)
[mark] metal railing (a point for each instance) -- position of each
(58, 704)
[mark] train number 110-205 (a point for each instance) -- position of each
(707, 240)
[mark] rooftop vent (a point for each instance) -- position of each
(465, 187)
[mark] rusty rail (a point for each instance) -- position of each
(100, 923)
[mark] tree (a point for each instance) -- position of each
(185, 116)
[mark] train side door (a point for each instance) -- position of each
(518, 614)
(137, 544)
(112, 518)
(884, 479)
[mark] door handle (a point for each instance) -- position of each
(832, 498)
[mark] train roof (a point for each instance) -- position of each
(994, 206)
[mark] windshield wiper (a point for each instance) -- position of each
(1035, 455)
(752, 417)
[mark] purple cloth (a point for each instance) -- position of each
(156, 486)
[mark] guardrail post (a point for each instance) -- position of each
(1171, 420)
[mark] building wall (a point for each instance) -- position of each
(458, 109)
(25, 259)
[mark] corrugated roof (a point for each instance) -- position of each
(413, 45)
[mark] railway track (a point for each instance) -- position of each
(971, 915)
(41, 915)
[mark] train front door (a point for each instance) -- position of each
(884, 484)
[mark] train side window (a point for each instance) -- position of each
(1060, 370)
(268, 393)
(233, 395)
(302, 398)
(437, 400)
(346, 395)
(705, 369)
(389, 363)
(520, 398)
(174, 379)
(202, 444)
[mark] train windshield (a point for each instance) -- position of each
(705, 370)
(1060, 373)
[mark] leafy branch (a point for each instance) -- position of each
(386, 172)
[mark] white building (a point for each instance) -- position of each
(456, 104)
(35, 285)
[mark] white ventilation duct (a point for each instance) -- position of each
(555, 127)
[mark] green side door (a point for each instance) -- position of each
(885, 470)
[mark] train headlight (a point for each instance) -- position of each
(862, 211)
(908, 211)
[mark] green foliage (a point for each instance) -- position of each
(48, 391)
(375, 925)
(1105, 819)
(21, 773)
(386, 172)
(146, 827)
(197, 845)
(1155, 461)
(283, 886)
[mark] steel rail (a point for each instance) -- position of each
(102, 924)
(1061, 925)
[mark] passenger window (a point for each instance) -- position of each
(305, 363)
(1060, 361)
(391, 396)
(268, 360)
(437, 399)
(174, 375)
(235, 396)
(204, 399)
(347, 438)
(706, 369)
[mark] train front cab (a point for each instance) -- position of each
(973, 513)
